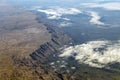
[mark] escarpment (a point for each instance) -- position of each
(20, 35)
(58, 39)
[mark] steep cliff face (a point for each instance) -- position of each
(58, 39)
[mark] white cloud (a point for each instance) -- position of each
(107, 6)
(50, 13)
(52, 63)
(67, 19)
(95, 18)
(94, 53)
(58, 61)
(58, 12)
(73, 67)
(63, 66)
(64, 24)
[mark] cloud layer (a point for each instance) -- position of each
(107, 6)
(94, 53)
(95, 18)
(59, 12)
(64, 24)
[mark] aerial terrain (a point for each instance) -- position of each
(59, 40)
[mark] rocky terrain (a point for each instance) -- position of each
(20, 37)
